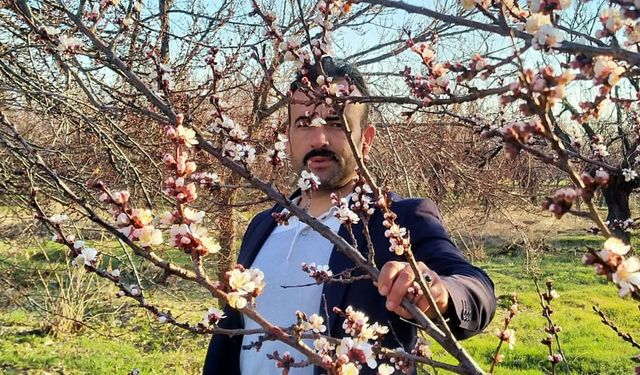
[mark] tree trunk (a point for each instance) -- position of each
(616, 195)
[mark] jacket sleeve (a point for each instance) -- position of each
(472, 302)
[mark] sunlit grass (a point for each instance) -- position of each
(120, 337)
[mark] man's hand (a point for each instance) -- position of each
(396, 279)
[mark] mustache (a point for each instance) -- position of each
(322, 152)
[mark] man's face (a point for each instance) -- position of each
(324, 149)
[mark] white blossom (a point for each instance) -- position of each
(600, 150)
(346, 216)
(212, 315)
(547, 37)
(385, 369)
(308, 181)
(315, 324)
(87, 256)
(629, 174)
(149, 236)
(627, 276)
(69, 44)
(58, 218)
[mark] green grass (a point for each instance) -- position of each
(119, 337)
(590, 346)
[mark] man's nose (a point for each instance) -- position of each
(319, 138)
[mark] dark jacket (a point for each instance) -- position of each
(472, 301)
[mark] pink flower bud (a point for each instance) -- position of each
(179, 119)
(168, 159)
(170, 131)
(602, 177)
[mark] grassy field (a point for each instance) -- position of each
(116, 337)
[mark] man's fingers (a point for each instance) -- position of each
(387, 276)
(396, 279)
(399, 288)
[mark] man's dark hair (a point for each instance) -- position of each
(337, 69)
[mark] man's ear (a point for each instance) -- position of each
(369, 133)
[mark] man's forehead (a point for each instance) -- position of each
(300, 100)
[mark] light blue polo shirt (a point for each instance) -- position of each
(280, 258)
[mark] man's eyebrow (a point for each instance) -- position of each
(301, 117)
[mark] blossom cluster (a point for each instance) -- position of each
(545, 35)
(603, 70)
(621, 224)
(320, 273)
(548, 6)
(592, 182)
(235, 145)
(344, 214)
(422, 348)
(291, 49)
(362, 199)
(611, 262)
(541, 84)
(244, 285)
(180, 189)
(561, 201)
(506, 335)
(517, 133)
(135, 223)
(477, 65)
(308, 181)
(177, 186)
(86, 256)
(551, 329)
(212, 317)
(82, 255)
(358, 204)
(435, 82)
(64, 43)
(353, 351)
(599, 148)
(69, 44)
(314, 323)
(282, 217)
(349, 354)
(278, 155)
(471, 4)
(326, 14)
(356, 324)
(629, 174)
(186, 230)
(207, 180)
(612, 22)
(564, 198)
(398, 236)
(192, 238)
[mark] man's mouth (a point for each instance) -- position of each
(318, 158)
(317, 163)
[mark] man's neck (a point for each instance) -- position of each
(320, 200)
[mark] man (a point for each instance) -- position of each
(317, 143)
